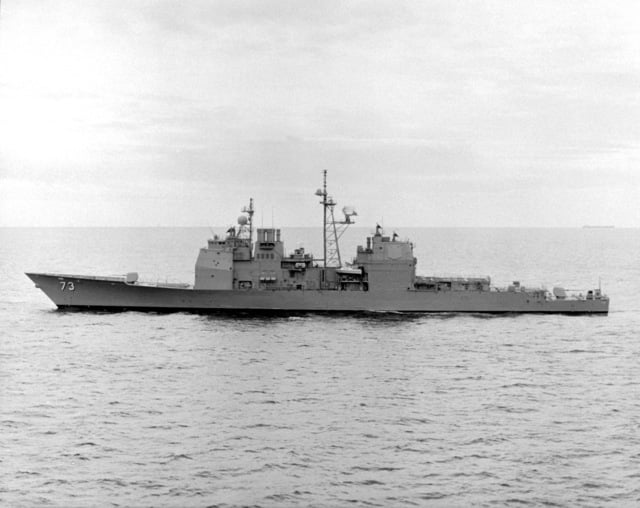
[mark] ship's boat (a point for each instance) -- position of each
(239, 273)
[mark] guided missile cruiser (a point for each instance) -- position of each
(250, 271)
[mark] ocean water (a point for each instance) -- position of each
(133, 409)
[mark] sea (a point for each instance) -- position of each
(137, 409)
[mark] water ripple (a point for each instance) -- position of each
(134, 409)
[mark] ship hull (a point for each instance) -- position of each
(95, 293)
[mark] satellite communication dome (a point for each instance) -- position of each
(348, 211)
(242, 220)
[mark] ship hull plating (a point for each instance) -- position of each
(92, 293)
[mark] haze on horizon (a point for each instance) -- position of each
(426, 113)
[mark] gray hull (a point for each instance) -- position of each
(96, 293)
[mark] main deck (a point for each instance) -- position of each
(108, 293)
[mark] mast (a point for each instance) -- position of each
(332, 229)
(323, 194)
(249, 211)
(324, 228)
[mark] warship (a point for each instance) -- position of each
(238, 272)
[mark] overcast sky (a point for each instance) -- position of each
(426, 113)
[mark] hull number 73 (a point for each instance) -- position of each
(68, 286)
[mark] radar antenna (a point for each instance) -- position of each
(333, 229)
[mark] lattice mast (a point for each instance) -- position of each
(332, 229)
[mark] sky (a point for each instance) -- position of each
(425, 113)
